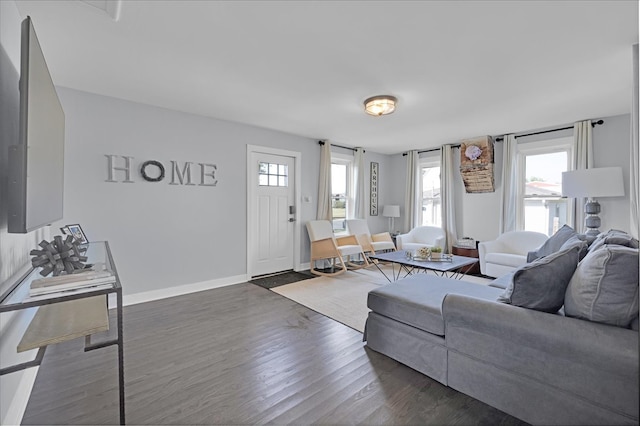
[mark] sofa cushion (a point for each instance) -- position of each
(553, 244)
(417, 300)
(604, 287)
(541, 285)
(503, 281)
(506, 259)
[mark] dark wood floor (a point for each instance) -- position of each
(242, 355)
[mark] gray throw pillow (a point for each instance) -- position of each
(604, 287)
(541, 285)
(580, 241)
(614, 236)
(553, 244)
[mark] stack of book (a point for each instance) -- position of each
(63, 283)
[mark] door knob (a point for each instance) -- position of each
(291, 219)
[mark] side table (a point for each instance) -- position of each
(468, 252)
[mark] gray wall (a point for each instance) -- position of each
(166, 235)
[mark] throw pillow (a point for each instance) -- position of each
(580, 241)
(553, 244)
(614, 236)
(604, 287)
(541, 285)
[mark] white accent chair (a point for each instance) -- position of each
(325, 246)
(421, 236)
(370, 243)
(508, 252)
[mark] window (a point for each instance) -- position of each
(341, 178)
(270, 174)
(540, 207)
(430, 211)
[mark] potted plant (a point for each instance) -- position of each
(436, 253)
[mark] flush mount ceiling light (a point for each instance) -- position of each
(380, 105)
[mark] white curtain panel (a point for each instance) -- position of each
(411, 192)
(583, 146)
(509, 194)
(324, 184)
(633, 185)
(359, 189)
(447, 195)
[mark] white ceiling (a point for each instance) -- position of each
(458, 68)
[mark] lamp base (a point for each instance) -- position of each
(592, 220)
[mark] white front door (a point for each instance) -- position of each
(271, 213)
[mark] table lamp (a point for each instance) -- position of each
(592, 183)
(391, 212)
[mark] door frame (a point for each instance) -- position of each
(251, 198)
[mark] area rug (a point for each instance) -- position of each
(344, 297)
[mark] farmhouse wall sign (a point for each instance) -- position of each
(155, 171)
(373, 211)
(476, 164)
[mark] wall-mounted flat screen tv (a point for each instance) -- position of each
(36, 162)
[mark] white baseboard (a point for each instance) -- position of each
(304, 267)
(148, 296)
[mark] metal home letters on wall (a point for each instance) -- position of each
(204, 175)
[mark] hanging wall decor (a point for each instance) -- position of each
(476, 164)
(373, 199)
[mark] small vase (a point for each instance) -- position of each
(436, 256)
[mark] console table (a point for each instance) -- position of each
(68, 315)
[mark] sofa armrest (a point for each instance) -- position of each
(485, 247)
(599, 362)
(560, 335)
(400, 239)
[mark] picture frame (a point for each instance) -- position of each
(76, 231)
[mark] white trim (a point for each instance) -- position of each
(346, 160)
(427, 163)
(18, 405)
(297, 157)
(304, 267)
(546, 146)
(179, 290)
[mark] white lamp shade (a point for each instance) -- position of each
(391, 211)
(592, 183)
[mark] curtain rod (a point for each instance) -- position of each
(593, 124)
(501, 138)
(340, 146)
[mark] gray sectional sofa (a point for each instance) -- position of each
(555, 342)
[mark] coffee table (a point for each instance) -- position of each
(452, 267)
